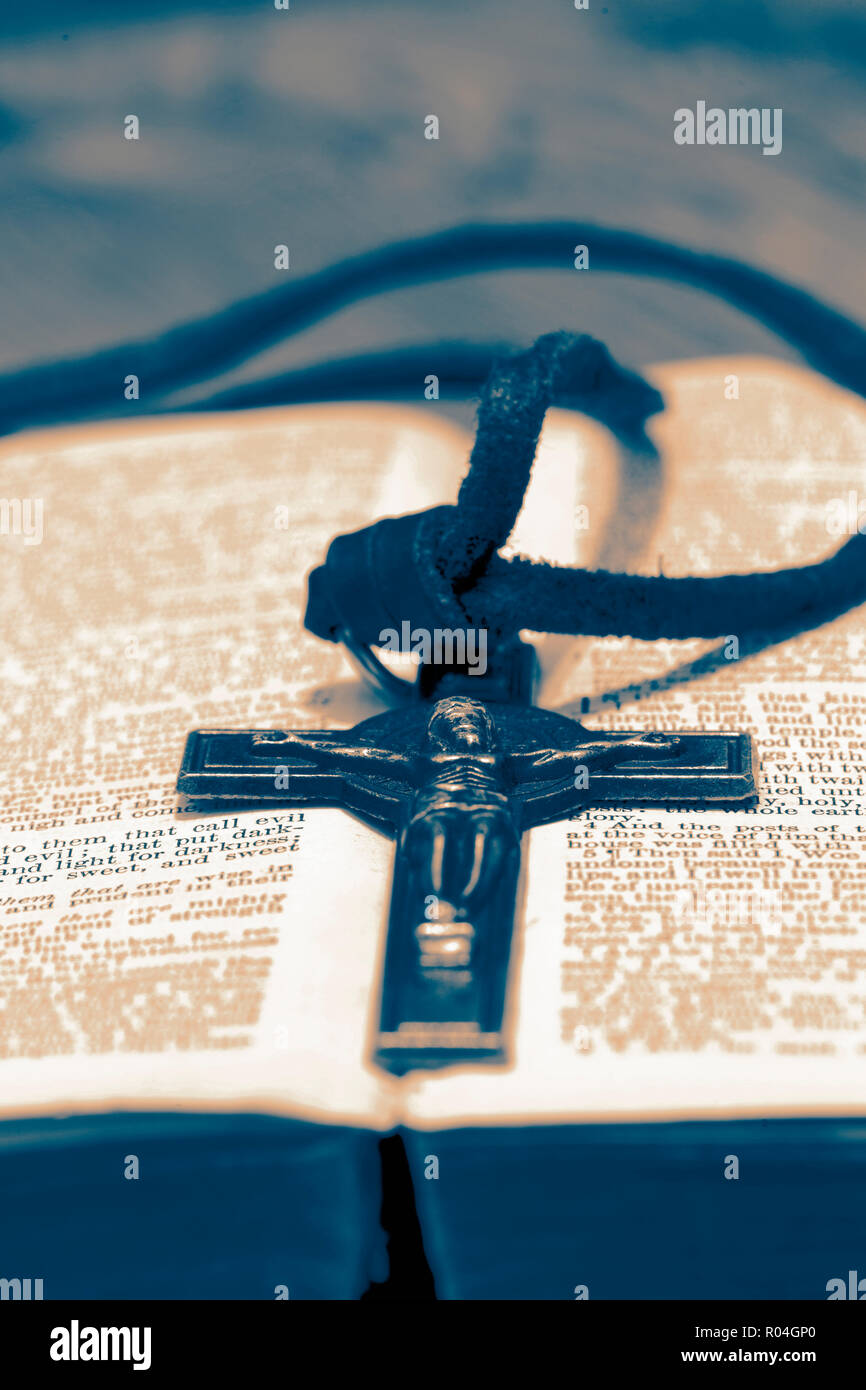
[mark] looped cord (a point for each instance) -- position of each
(454, 546)
(441, 567)
(476, 585)
(509, 594)
(424, 568)
(194, 352)
(561, 369)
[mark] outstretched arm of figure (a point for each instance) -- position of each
(549, 763)
(342, 757)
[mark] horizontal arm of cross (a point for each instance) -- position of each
(703, 769)
(548, 763)
(239, 767)
(327, 753)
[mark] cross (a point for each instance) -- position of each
(457, 781)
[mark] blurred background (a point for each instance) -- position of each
(306, 127)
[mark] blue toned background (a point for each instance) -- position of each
(305, 127)
(234, 1206)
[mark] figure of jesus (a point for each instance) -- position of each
(459, 850)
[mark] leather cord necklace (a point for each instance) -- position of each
(441, 567)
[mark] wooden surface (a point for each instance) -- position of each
(305, 127)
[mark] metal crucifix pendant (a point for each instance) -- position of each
(457, 782)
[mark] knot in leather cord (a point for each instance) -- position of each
(423, 567)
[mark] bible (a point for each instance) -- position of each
(189, 1092)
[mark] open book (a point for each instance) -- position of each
(679, 964)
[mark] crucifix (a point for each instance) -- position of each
(457, 779)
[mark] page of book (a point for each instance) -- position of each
(699, 963)
(154, 582)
